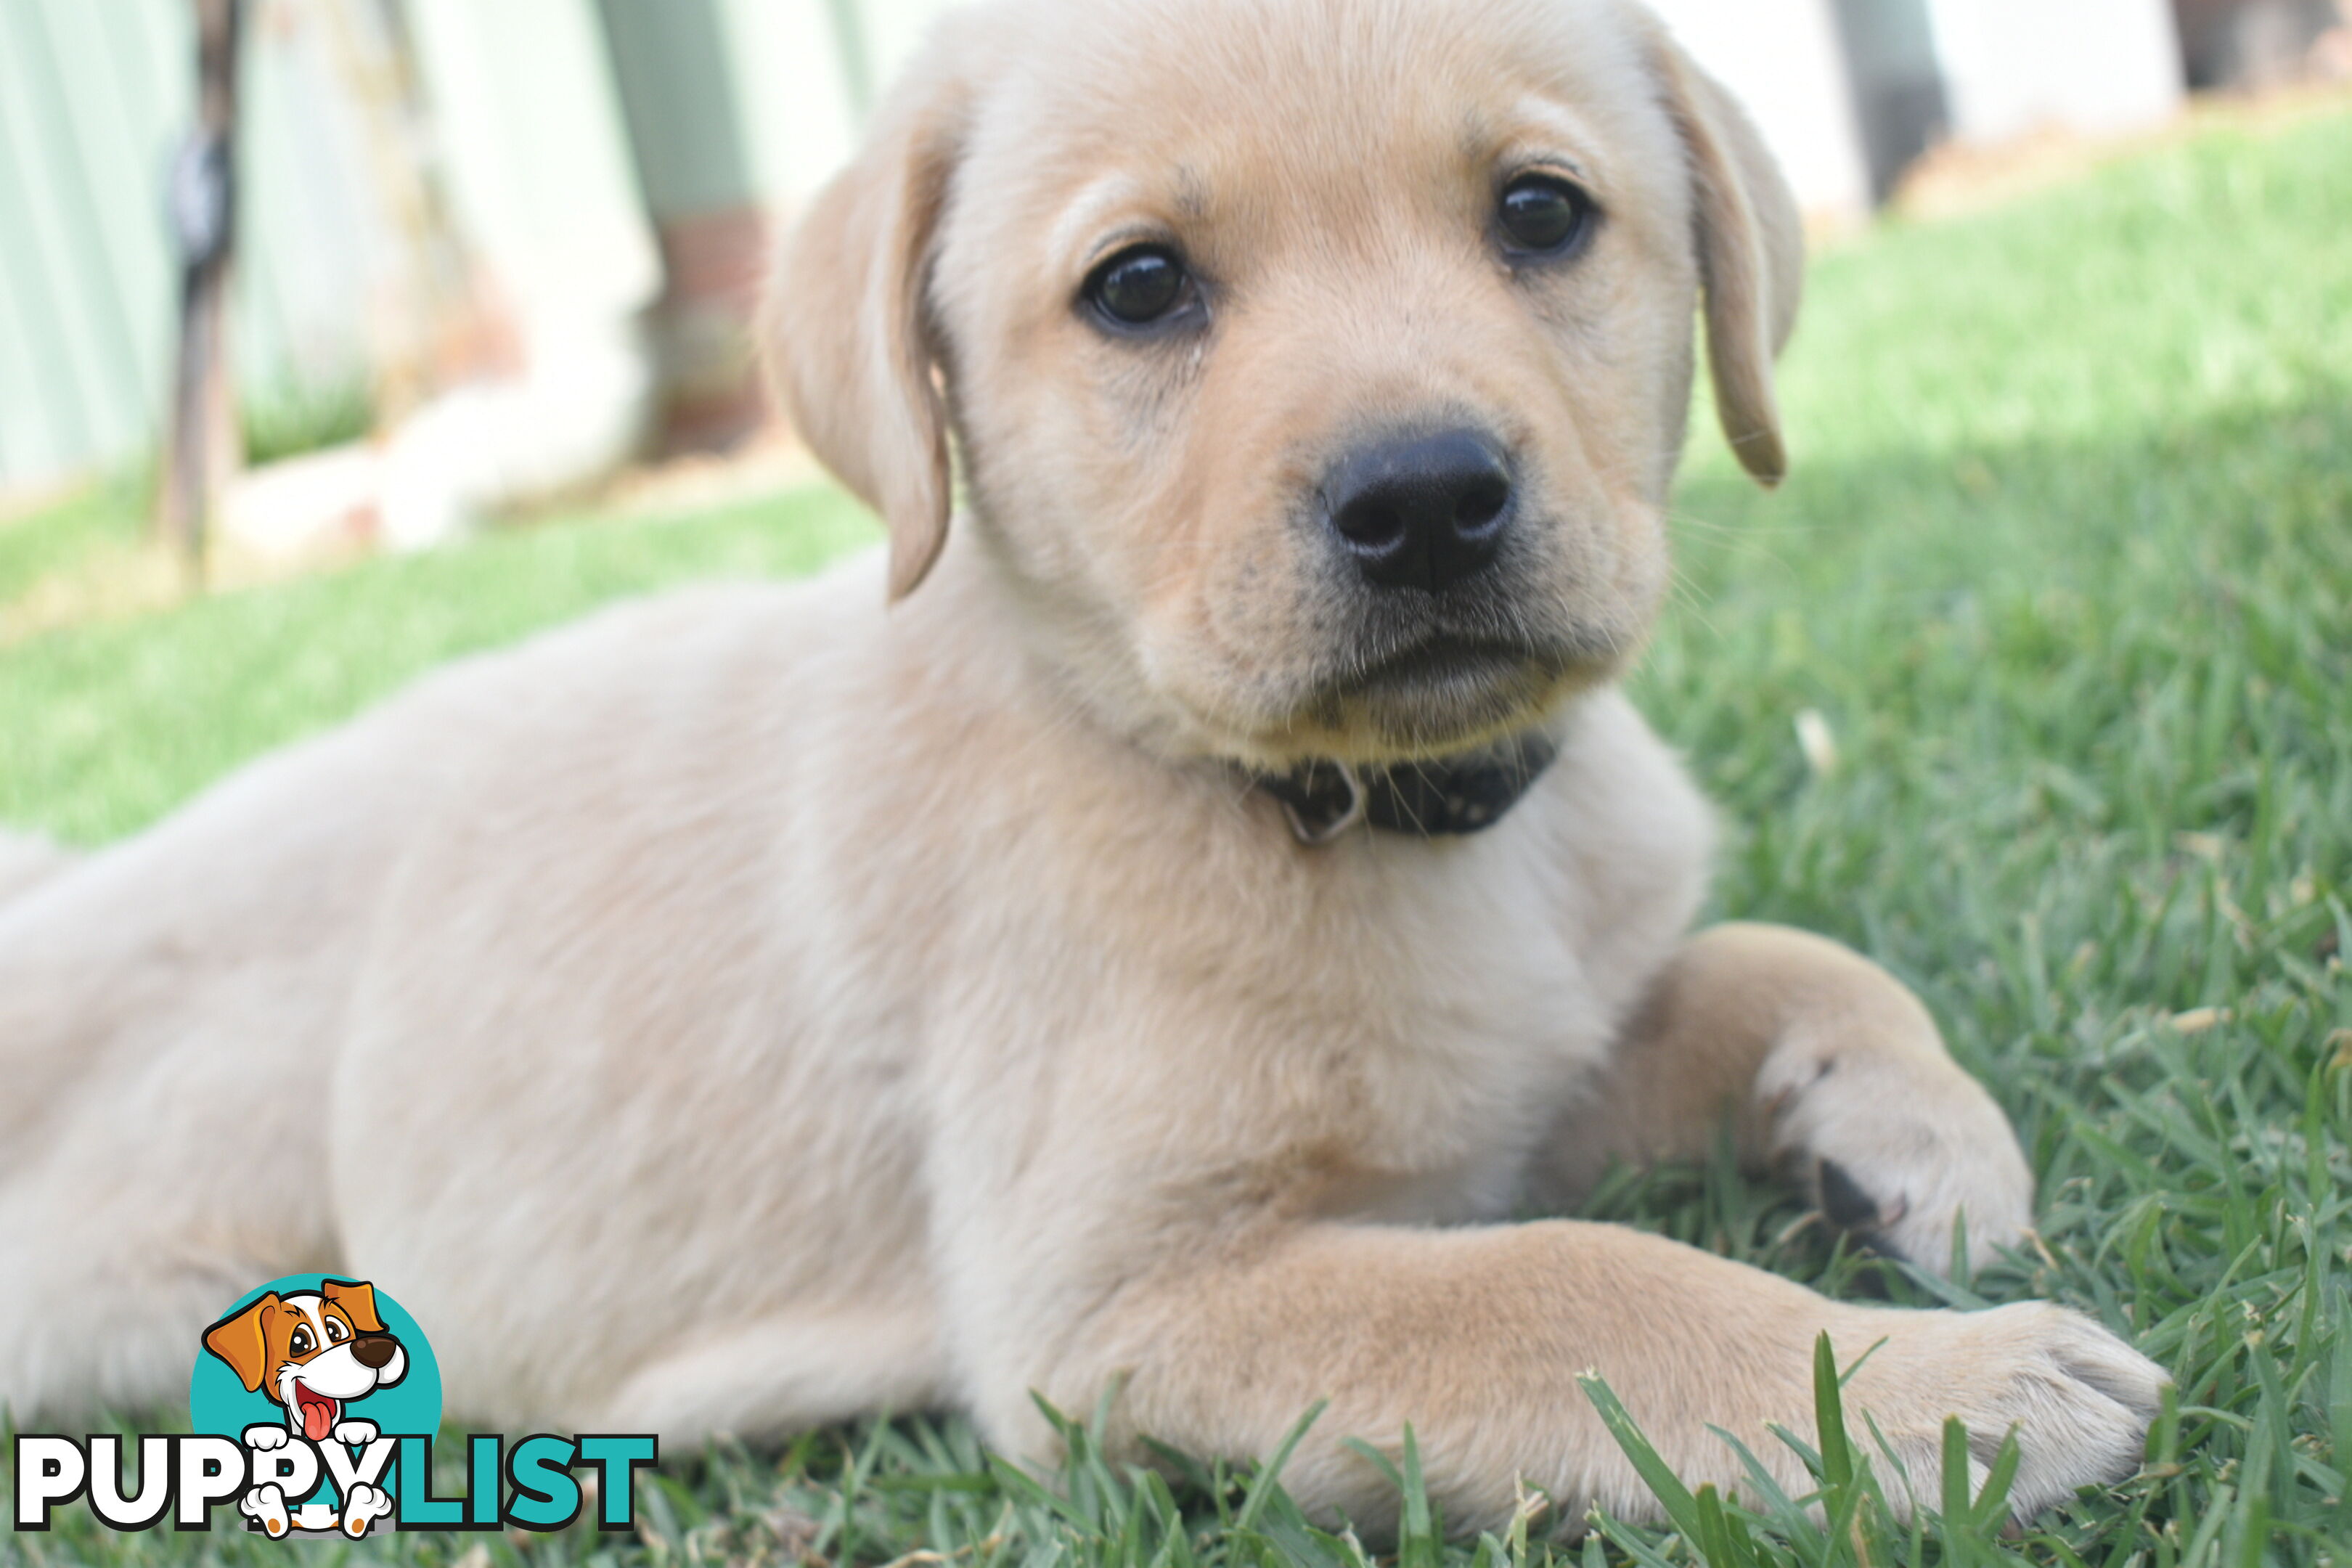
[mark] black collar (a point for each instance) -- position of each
(1456, 795)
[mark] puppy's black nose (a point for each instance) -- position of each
(1420, 511)
(372, 1349)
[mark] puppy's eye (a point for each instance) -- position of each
(1140, 287)
(301, 1342)
(1544, 217)
(336, 1332)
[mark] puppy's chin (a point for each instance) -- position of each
(1442, 697)
(1400, 715)
(1434, 699)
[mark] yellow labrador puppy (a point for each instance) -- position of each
(1163, 950)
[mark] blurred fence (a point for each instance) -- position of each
(435, 190)
(410, 172)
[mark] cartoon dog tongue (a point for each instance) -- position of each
(318, 1414)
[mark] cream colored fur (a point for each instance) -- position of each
(754, 1007)
(25, 860)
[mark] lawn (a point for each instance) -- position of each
(2063, 579)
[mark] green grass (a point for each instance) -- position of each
(292, 418)
(2066, 568)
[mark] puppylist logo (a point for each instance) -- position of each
(313, 1405)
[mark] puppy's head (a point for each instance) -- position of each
(1319, 367)
(315, 1351)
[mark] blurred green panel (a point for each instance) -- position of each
(735, 104)
(87, 125)
(123, 131)
(51, 233)
(34, 440)
(669, 59)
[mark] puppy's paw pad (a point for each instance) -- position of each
(1844, 1203)
(354, 1433)
(265, 1436)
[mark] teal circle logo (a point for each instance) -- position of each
(315, 1360)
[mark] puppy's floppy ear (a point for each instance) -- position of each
(848, 333)
(1751, 257)
(242, 1339)
(357, 1299)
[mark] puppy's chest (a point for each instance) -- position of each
(1453, 1049)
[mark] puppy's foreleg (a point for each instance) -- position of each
(1475, 1338)
(1827, 1067)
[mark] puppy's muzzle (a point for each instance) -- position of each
(373, 1350)
(1420, 511)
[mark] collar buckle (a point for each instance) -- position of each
(1323, 800)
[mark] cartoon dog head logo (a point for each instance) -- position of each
(315, 1353)
(321, 1382)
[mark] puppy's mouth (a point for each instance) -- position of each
(1439, 663)
(316, 1411)
(1440, 693)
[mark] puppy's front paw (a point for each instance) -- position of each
(266, 1505)
(354, 1433)
(1901, 1152)
(263, 1436)
(2079, 1398)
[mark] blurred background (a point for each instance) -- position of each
(486, 256)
